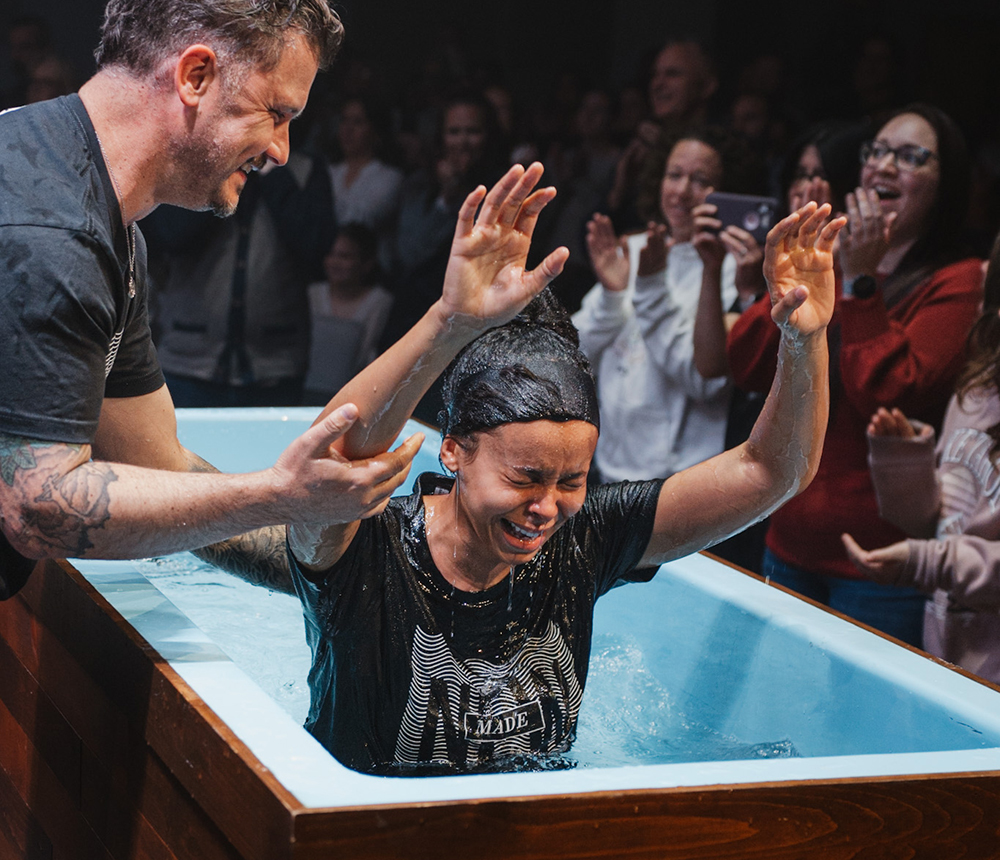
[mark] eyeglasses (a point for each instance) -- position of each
(909, 156)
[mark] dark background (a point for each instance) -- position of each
(948, 52)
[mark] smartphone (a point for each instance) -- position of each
(754, 214)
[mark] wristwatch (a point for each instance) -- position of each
(862, 287)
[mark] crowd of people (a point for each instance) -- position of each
(701, 426)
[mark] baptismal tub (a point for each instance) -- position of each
(723, 717)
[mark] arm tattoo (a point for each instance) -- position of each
(258, 557)
(57, 518)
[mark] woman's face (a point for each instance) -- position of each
(343, 265)
(808, 167)
(354, 131)
(520, 484)
(464, 135)
(910, 192)
(693, 170)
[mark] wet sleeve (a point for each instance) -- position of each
(620, 518)
(57, 323)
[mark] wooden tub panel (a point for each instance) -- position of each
(930, 818)
(107, 754)
(122, 736)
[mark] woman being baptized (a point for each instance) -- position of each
(451, 628)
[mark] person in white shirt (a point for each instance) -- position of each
(658, 414)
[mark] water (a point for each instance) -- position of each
(627, 717)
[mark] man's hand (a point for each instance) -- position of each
(486, 283)
(320, 485)
(798, 267)
(884, 565)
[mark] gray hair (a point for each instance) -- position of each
(139, 34)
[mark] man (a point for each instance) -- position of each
(232, 309)
(189, 98)
(681, 83)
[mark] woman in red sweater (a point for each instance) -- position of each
(908, 301)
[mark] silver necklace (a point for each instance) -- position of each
(129, 228)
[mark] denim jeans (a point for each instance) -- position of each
(895, 610)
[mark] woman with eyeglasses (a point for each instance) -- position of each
(909, 297)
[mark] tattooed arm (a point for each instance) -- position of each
(259, 557)
(57, 502)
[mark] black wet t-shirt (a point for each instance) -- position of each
(411, 675)
(70, 335)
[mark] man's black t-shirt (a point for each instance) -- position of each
(411, 675)
(70, 335)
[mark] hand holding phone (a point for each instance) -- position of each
(749, 212)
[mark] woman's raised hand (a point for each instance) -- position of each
(890, 422)
(798, 267)
(486, 283)
(608, 253)
(864, 243)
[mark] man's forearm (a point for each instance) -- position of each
(259, 557)
(55, 508)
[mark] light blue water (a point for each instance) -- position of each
(701, 664)
(628, 718)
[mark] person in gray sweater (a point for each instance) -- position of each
(945, 494)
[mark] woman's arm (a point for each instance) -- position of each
(710, 501)
(486, 284)
(903, 463)
(713, 320)
(966, 566)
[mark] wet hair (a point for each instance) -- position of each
(530, 369)
(741, 169)
(983, 346)
(138, 34)
(942, 241)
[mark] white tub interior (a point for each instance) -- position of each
(702, 652)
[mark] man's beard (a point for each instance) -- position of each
(210, 164)
(223, 208)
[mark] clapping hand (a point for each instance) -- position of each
(608, 253)
(884, 565)
(864, 243)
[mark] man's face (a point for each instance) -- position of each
(243, 127)
(678, 85)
